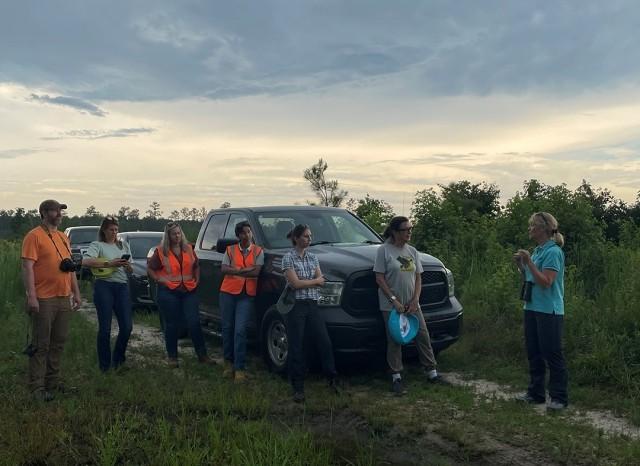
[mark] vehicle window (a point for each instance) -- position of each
(234, 219)
(83, 236)
(326, 226)
(140, 245)
(213, 232)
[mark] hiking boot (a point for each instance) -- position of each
(173, 363)
(43, 395)
(227, 371)
(556, 406)
(298, 397)
(397, 387)
(62, 388)
(334, 386)
(204, 359)
(527, 398)
(240, 377)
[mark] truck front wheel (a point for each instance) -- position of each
(275, 346)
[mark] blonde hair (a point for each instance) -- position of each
(166, 240)
(550, 225)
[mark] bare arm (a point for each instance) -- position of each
(95, 262)
(543, 278)
(30, 285)
(384, 286)
(75, 289)
(298, 284)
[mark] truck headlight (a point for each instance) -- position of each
(450, 282)
(330, 294)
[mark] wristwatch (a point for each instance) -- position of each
(392, 298)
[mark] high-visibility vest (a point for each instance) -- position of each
(173, 274)
(234, 284)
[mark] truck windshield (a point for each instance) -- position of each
(140, 245)
(327, 227)
(86, 235)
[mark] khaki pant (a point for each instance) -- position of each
(50, 327)
(422, 341)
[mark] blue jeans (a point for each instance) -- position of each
(110, 298)
(236, 312)
(176, 306)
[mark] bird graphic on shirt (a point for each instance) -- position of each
(406, 264)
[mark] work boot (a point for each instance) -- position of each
(43, 395)
(204, 359)
(240, 377)
(173, 363)
(227, 371)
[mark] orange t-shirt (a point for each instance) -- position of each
(50, 281)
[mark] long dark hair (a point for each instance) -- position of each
(394, 225)
(297, 232)
(106, 223)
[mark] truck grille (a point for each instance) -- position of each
(361, 291)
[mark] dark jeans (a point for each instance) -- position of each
(305, 317)
(543, 337)
(236, 312)
(110, 298)
(176, 306)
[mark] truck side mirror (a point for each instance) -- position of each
(221, 245)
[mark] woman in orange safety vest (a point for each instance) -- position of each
(174, 267)
(241, 266)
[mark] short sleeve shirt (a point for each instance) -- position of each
(245, 253)
(305, 268)
(399, 266)
(50, 281)
(110, 252)
(548, 256)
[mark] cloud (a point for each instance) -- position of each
(91, 134)
(156, 49)
(72, 102)
(15, 153)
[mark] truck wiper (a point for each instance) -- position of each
(315, 243)
(368, 241)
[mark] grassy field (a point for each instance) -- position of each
(151, 414)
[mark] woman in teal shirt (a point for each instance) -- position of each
(544, 311)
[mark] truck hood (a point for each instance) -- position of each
(338, 261)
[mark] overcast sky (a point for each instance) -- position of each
(193, 103)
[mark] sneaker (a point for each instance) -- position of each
(527, 398)
(397, 388)
(43, 395)
(204, 359)
(227, 371)
(438, 380)
(240, 377)
(173, 363)
(298, 397)
(556, 406)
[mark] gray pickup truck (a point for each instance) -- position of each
(346, 248)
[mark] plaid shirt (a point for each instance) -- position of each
(305, 268)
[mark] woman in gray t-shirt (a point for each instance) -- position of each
(111, 292)
(398, 275)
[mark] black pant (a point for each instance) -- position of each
(305, 316)
(543, 337)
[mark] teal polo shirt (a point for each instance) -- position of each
(548, 300)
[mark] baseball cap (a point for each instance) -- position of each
(51, 204)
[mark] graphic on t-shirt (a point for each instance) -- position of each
(406, 264)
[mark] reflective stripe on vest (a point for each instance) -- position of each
(234, 284)
(173, 274)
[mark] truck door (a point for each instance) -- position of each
(209, 261)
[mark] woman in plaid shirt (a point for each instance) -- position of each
(303, 274)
